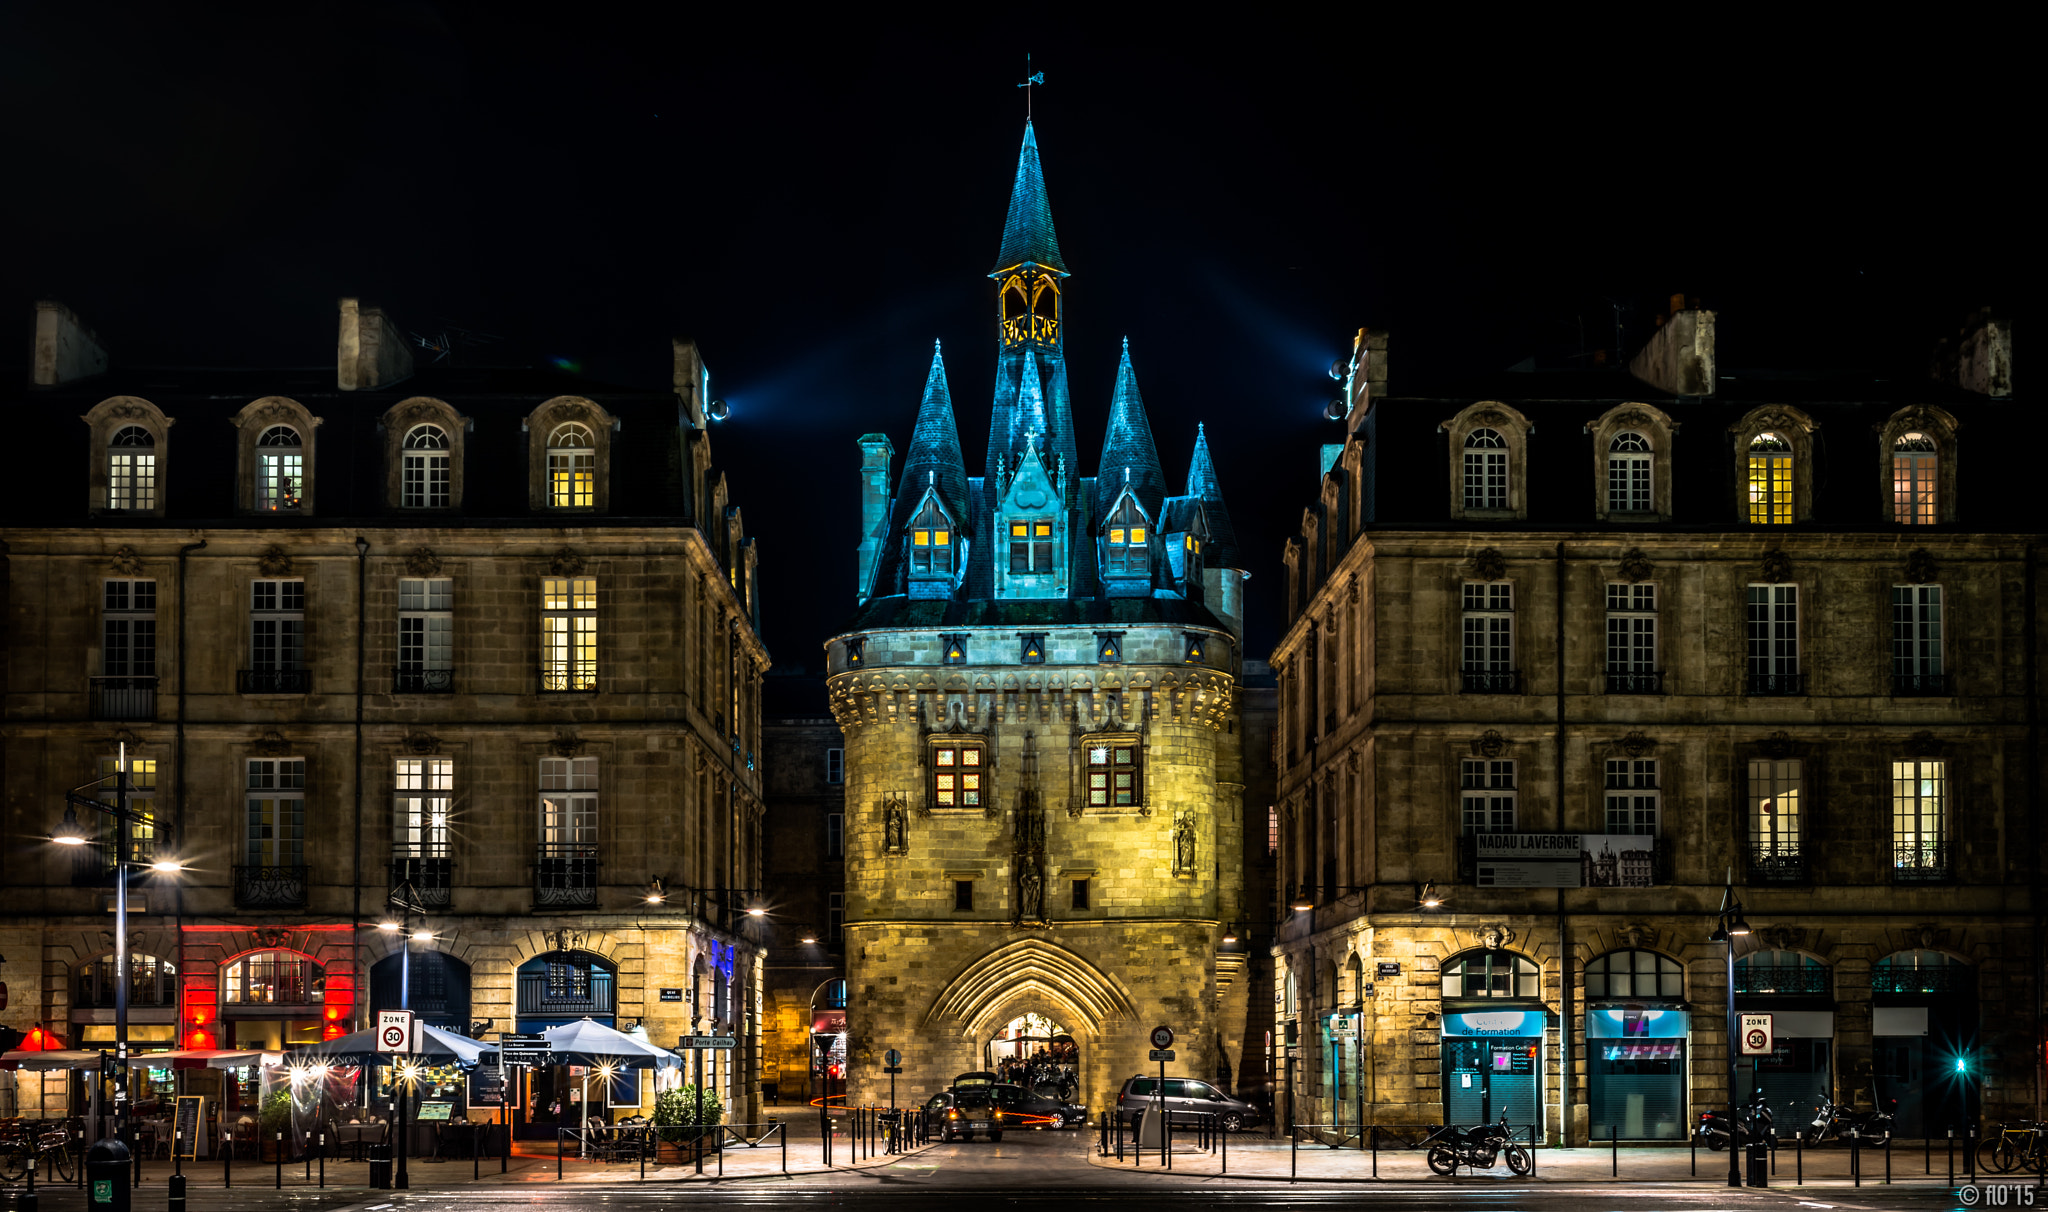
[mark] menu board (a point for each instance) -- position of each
(434, 1112)
(487, 1086)
(191, 1114)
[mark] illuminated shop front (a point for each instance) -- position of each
(1493, 1023)
(1797, 991)
(828, 1040)
(1636, 1033)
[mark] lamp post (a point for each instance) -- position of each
(406, 898)
(1729, 925)
(72, 833)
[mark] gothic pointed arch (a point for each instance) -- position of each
(1028, 969)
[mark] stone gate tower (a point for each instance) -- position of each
(1044, 767)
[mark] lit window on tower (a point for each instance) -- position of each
(956, 775)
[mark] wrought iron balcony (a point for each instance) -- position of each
(1783, 980)
(426, 870)
(565, 678)
(1922, 862)
(565, 874)
(575, 990)
(274, 681)
(1492, 681)
(1947, 978)
(1626, 682)
(1919, 685)
(1776, 863)
(124, 698)
(270, 887)
(1764, 685)
(422, 681)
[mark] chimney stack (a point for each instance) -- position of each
(692, 382)
(65, 349)
(1679, 356)
(371, 352)
(875, 453)
(1368, 376)
(1978, 358)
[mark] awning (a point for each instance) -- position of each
(361, 1048)
(590, 1043)
(53, 1058)
(204, 1058)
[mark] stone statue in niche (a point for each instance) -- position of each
(1184, 846)
(1030, 895)
(894, 827)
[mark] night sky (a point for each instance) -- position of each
(815, 203)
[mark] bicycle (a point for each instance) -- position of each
(48, 1142)
(2016, 1145)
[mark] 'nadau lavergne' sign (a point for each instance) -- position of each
(1564, 860)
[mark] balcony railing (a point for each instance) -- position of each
(274, 681)
(270, 887)
(1624, 682)
(565, 874)
(1920, 685)
(1947, 978)
(591, 993)
(422, 681)
(427, 870)
(568, 679)
(1917, 862)
(1776, 863)
(1765, 685)
(1492, 681)
(124, 698)
(1783, 980)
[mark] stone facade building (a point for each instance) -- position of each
(1566, 650)
(1039, 695)
(803, 869)
(480, 640)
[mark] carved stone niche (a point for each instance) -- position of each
(1920, 567)
(127, 561)
(1490, 565)
(1635, 566)
(1489, 744)
(1493, 938)
(274, 562)
(423, 563)
(1777, 566)
(1781, 938)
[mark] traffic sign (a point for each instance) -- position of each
(524, 1049)
(1757, 1033)
(397, 1032)
(704, 1041)
(1160, 1054)
(1162, 1037)
(892, 1057)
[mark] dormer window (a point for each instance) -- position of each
(1126, 553)
(1486, 469)
(1770, 480)
(1033, 652)
(931, 542)
(1196, 650)
(1914, 465)
(1109, 648)
(131, 469)
(1030, 547)
(856, 651)
(954, 651)
(280, 469)
(1628, 474)
(572, 467)
(425, 472)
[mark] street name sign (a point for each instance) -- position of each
(704, 1041)
(524, 1049)
(1390, 968)
(671, 995)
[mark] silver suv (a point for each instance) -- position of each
(1184, 1098)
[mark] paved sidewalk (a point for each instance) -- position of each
(1265, 1160)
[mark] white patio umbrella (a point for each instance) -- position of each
(595, 1045)
(361, 1048)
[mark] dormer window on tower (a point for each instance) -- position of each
(931, 542)
(1126, 553)
(1030, 547)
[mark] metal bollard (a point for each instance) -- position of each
(280, 1161)
(1887, 1160)
(1799, 1160)
(1970, 1151)
(1225, 1133)
(30, 1201)
(323, 1159)
(1375, 1150)
(1293, 1154)
(1614, 1146)
(1856, 1159)
(558, 1155)
(1951, 1157)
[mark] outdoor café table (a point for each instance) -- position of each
(357, 1136)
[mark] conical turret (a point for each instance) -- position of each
(1129, 456)
(1202, 483)
(933, 459)
(1027, 232)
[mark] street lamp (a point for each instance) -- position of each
(71, 832)
(1729, 925)
(405, 898)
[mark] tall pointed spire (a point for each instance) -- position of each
(1202, 483)
(1129, 456)
(1027, 233)
(934, 457)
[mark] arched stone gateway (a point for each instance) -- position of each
(1032, 977)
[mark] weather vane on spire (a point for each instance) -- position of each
(1030, 78)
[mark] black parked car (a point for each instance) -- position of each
(1025, 1109)
(963, 1114)
(1184, 1099)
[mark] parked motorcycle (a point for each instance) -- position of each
(1753, 1123)
(1871, 1129)
(1479, 1148)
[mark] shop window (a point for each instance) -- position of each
(957, 773)
(1625, 975)
(151, 982)
(1115, 769)
(559, 982)
(1491, 974)
(273, 978)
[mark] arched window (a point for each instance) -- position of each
(1770, 480)
(1920, 972)
(280, 469)
(572, 467)
(1628, 474)
(131, 469)
(1492, 974)
(425, 476)
(1634, 975)
(151, 982)
(1288, 1004)
(1486, 470)
(273, 978)
(566, 982)
(1781, 974)
(931, 542)
(1354, 980)
(1914, 464)
(1125, 550)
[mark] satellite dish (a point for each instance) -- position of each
(720, 410)
(1334, 410)
(1337, 369)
